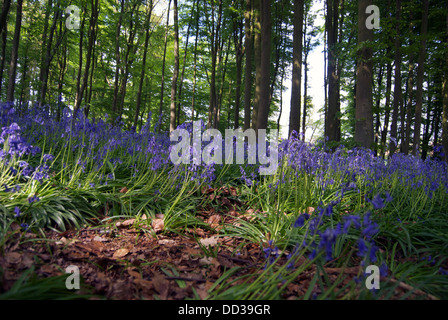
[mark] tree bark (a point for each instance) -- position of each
(332, 119)
(257, 60)
(420, 75)
(238, 42)
(162, 85)
(4, 34)
(364, 97)
(4, 15)
(296, 84)
(14, 53)
(117, 61)
(445, 99)
(398, 99)
(142, 73)
(176, 69)
(248, 67)
(265, 70)
(92, 26)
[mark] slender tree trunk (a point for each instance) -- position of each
(407, 112)
(47, 60)
(420, 75)
(4, 15)
(307, 44)
(296, 85)
(364, 98)
(118, 62)
(266, 30)
(176, 70)
(332, 119)
(92, 26)
(398, 99)
(257, 60)
(162, 85)
(248, 67)
(238, 42)
(4, 34)
(195, 62)
(142, 73)
(445, 99)
(182, 76)
(387, 108)
(14, 53)
(426, 133)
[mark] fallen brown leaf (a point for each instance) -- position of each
(120, 253)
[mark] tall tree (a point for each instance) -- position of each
(162, 85)
(257, 60)
(398, 99)
(214, 29)
(91, 35)
(148, 33)
(420, 74)
(296, 84)
(266, 30)
(248, 68)
(4, 15)
(364, 76)
(14, 53)
(445, 96)
(176, 68)
(4, 34)
(239, 53)
(332, 118)
(117, 60)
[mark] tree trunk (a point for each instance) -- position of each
(238, 42)
(445, 100)
(182, 76)
(257, 60)
(332, 119)
(195, 62)
(398, 99)
(265, 70)
(92, 26)
(14, 53)
(296, 85)
(420, 75)
(248, 67)
(364, 98)
(47, 60)
(4, 34)
(142, 73)
(4, 15)
(162, 85)
(387, 108)
(117, 61)
(176, 69)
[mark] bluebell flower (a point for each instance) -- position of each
(378, 202)
(17, 212)
(300, 221)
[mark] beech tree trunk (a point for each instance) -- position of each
(265, 70)
(248, 68)
(420, 75)
(176, 69)
(296, 84)
(14, 53)
(364, 74)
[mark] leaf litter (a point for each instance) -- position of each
(125, 262)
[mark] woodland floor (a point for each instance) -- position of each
(121, 261)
